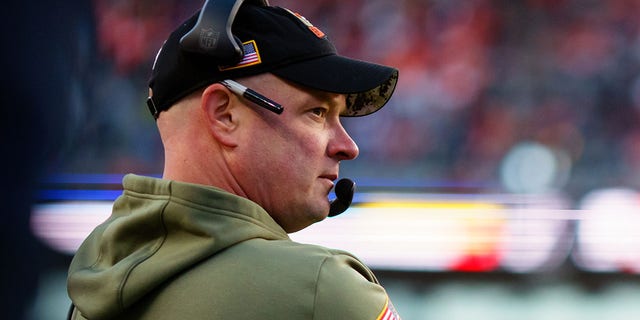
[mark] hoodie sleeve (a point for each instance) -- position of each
(347, 289)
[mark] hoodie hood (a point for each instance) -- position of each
(157, 229)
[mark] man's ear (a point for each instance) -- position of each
(219, 107)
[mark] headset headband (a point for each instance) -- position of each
(212, 33)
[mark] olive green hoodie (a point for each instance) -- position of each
(174, 250)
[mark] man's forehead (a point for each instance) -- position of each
(288, 90)
(316, 98)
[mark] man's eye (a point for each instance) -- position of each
(320, 112)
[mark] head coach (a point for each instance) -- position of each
(248, 100)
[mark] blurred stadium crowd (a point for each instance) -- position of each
(479, 79)
(495, 96)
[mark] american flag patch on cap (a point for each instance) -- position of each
(389, 312)
(251, 56)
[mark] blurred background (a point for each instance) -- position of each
(501, 182)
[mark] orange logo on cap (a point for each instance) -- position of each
(306, 22)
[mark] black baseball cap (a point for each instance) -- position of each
(274, 40)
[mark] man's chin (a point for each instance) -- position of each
(311, 218)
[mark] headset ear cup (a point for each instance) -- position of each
(212, 35)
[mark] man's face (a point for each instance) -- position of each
(288, 163)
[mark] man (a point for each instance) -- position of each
(252, 150)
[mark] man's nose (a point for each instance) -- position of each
(342, 145)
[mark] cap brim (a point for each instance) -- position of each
(368, 86)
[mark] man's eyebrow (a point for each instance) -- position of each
(330, 99)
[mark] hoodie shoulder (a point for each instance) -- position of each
(273, 279)
(157, 230)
